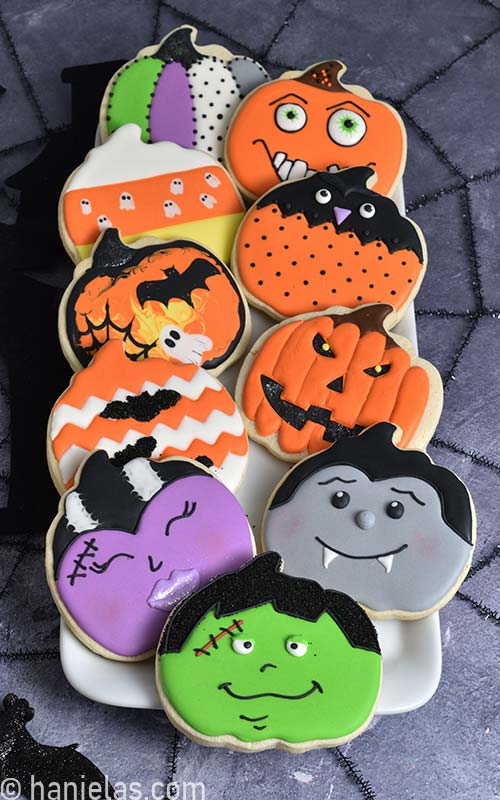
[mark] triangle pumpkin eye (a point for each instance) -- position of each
(377, 370)
(321, 346)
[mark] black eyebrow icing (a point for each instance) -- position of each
(349, 102)
(331, 480)
(290, 94)
(412, 494)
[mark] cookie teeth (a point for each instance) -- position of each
(298, 170)
(386, 562)
(310, 172)
(328, 557)
(278, 159)
(284, 170)
(333, 168)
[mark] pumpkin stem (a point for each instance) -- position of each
(325, 75)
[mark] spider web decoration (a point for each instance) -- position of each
(108, 325)
(431, 753)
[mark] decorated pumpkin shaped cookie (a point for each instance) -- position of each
(130, 541)
(386, 525)
(161, 299)
(316, 378)
(153, 408)
(259, 659)
(180, 92)
(161, 190)
(328, 239)
(308, 121)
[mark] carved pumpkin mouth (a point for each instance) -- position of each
(297, 417)
(287, 168)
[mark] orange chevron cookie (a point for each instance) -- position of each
(153, 408)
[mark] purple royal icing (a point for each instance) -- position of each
(113, 605)
(171, 113)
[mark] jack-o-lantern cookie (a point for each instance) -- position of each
(154, 408)
(259, 660)
(318, 377)
(179, 91)
(308, 121)
(385, 525)
(171, 299)
(161, 190)
(130, 541)
(328, 239)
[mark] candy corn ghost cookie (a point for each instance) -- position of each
(319, 377)
(386, 525)
(173, 300)
(132, 540)
(154, 408)
(161, 190)
(259, 660)
(328, 239)
(179, 91)
(308, 121)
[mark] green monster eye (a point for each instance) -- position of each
(346, 127)
(290, 117)
(243, 646)
(296, 646)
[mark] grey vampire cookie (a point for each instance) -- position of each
(384, 525)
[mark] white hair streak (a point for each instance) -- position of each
(143, 479)
(77, 515)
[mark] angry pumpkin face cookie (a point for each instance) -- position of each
(309, 121)
(258, 660)
(328, 239)
(319, 377)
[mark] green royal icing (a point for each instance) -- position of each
(349, 678)
(131, 95)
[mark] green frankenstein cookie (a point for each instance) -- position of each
(259, 659)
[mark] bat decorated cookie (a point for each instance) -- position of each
(131, 541)
(259, 660)
(154, 408)
(328, 239)
(161, 190)
(386, 525)
(307, 121)
(179, 91)
(318, 377)
(161, 299)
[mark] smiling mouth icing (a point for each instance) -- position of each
(385, 559)
(288, 170)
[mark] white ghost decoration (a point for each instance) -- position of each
(212, 180)
(208, 200)
(185, 347)
(176, 186)
(103, 222)
(86, 207)
(127, 202)
(171, 209)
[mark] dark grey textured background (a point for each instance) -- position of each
(438, 61)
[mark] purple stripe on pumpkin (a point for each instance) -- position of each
(171, 113)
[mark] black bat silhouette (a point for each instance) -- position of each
(176, 284)
(24, 760)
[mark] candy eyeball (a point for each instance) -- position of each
(323, 196)
(346, 127)
(340, 499)
(367, 210)
(290, 117)
(296, 647)
(243, 646)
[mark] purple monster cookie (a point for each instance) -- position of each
(132, 540)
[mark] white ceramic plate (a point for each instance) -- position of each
(411, 650)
